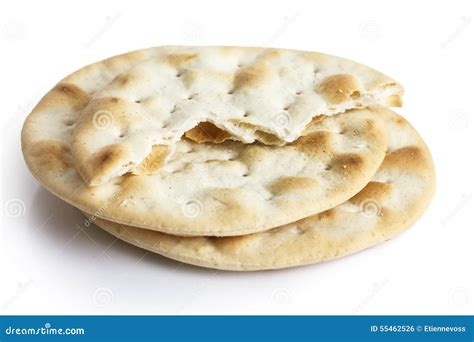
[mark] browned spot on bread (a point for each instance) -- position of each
(103, 161)
(252, 154)
(52, 155)
(243, 124)
(400, 121)
(70, 89)
(112, 109)
(179, 60)
(394, 101)
(154, 161)
(370, 124)
(233, 244)
(104, 156)
(269, 55)
(190, 77)
(104, 101)
(268, 138)
(406, 158)
(313, 143)
(325, 215)
(347, 163)
(232, 50)
(388, 218)
(370, 131)
(233, 204)
(120, 61)
(193, 78)
(374, 190)
(315, 120)
(339, 88)
(288, 184)
(207, 132)
(122, 79)
(317, 59)
(64, 95)
(251, 75)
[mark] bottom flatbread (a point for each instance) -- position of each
(395, 198)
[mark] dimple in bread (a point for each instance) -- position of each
(243, 94)
(395, 198)
(244, 187)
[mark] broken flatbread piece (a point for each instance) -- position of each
(214, 94)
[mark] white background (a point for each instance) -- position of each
(51, 264)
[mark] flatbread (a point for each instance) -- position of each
(248, 94)
(394, 199)
(246, 188)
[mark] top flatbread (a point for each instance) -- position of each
(246, 188)
(268, 95)
(395, 198)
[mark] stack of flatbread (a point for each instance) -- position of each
(233, 158)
